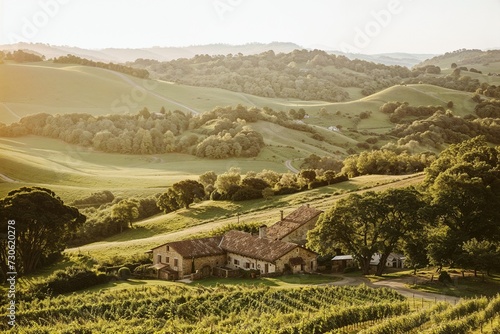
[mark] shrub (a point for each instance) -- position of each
(444, 277)
(63, 281)
(246, 193)
(144, 270)
(124, 273)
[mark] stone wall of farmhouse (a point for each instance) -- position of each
(237, 261)
(310, 263)
(201, 262)
(170, 257)
(299, 236)
(182, 265)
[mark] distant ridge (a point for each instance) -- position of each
(122, 55)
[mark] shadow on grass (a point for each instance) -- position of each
(213, 281)
(280, 281)
(208, 211)
(464, 287)
(136, 232)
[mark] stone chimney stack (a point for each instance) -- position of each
(281, 212)
(263, 231)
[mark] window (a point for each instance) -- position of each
(168, 248)
(247, 265)
(158, 258)
(176, 262)
(167, 259)
(236, 262)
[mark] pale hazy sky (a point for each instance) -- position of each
(364, 26)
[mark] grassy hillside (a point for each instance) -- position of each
(57, 88)
(70, 170)
(485, 61)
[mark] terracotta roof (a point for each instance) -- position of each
(292, 222)
(243, 243)
(197, 247)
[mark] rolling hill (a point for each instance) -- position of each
(56, 88)
(52, 88)
(76, 172)
(485, 61)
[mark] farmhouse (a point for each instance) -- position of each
(247, 251)
(341, 262)
(276, 249)
(394, 260)
(175, 260)
(294, 227)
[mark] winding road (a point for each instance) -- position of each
(292, 169)
(10, 111)
(7, 179)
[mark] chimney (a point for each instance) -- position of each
(262, 231)
(307, 204)
(281, 211)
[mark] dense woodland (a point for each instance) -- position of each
(218, 134)
(302, 74)
(451, 219)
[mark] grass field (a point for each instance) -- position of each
(73, 171)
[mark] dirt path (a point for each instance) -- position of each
(398, 284)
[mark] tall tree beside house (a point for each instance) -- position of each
(369, 223)
(463, 186)
(400, 212)
(349, 226)
(481, 255)
(43, 225)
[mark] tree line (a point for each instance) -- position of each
(71, 59)
(217, 134)
(233, 186)
(450, 219)
(20, 56)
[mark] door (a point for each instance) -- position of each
(266, 268)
